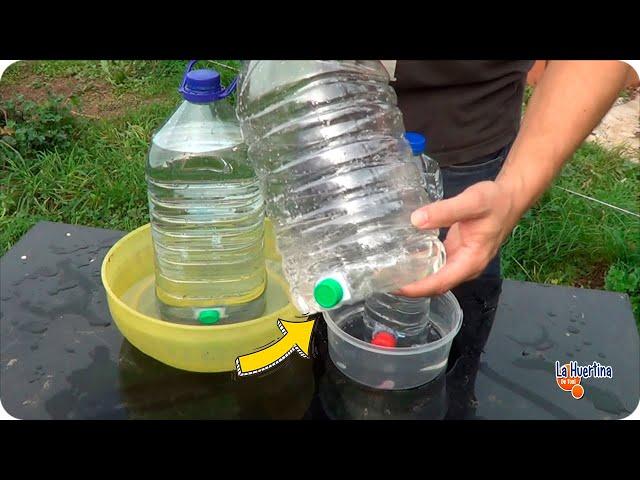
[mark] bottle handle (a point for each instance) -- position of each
(230, 88)
(224, 93)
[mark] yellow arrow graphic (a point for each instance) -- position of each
(296, 337)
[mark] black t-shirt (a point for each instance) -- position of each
(465, 108)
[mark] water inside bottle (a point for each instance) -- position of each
(141, 296)
(358, 326)
(207, 224)
(407, 319)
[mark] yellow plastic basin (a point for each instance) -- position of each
(128, 270)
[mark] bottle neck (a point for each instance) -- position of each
(221, 109)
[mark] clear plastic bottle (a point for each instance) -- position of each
(326, 139)
(206, 209)
(432, 177)
(394, 320)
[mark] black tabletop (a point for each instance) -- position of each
(62, 357)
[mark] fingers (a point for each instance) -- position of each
(474, 202)
(464, 266)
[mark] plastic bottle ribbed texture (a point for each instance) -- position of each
(432, 178)
(339, 180)
(207, 216)
(406, 319)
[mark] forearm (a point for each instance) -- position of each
(570, 100)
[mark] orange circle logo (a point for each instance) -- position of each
(567, 383)
(577, 391)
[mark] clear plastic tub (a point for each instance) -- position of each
(392, 368)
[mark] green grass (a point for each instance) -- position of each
(625, 277)
(565, 237)
(627, 93)
(96, 177)
(147, 78)
(568, 240)
(528, 91)
(99, 181)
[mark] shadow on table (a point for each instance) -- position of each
(152, 390)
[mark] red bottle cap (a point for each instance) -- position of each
(384, 339)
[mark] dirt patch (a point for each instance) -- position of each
(594, 278)
(621, 126)
(96, 98)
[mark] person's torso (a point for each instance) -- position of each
(465, 109)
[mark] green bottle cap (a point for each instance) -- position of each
(208, 317)
(328, 293)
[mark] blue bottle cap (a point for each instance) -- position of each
(203, 86)
(417, 142)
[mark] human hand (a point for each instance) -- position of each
(480, 219)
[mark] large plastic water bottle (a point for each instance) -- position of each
(326, 138)
(393, 320)
(207, 212)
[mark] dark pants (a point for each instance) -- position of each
(456, 178)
